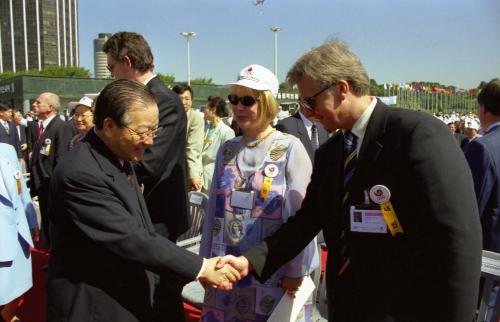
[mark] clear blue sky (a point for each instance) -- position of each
(454, 42)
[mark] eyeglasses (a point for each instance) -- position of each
(309, 103)
(83, 116)
(144, 135)
(244, 100)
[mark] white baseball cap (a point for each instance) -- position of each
(83, 101)
(257, 77)
(472, 124)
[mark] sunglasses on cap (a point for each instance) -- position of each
(244, 100)
(309, 103)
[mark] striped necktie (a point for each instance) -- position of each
(349, 158)
(314, 137)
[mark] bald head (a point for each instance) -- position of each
(46, 105)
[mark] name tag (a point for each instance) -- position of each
(242, 199)
(367, 221)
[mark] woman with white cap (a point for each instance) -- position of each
(259, 181)
(83, 117)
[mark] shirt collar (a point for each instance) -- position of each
(359, 128)
(306, 121)
(146, 81)
(47, 121)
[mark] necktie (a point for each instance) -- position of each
(40, 132)
(314, 137)
(6, 127)
(349, 158)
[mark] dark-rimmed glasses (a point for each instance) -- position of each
(244, 100)
(144, 135)
(309, 103)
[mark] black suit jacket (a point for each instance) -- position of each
(42, 166)
(429, 273)
(162, 169)
(11, 137)
(103, 243)
(31, 135)
(295, 126)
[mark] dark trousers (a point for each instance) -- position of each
(167, 300)
(43, 200)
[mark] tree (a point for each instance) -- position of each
(202, 81)
(51, 71)
(167, 79)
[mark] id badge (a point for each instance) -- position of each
(242, 198)
(42, 151)
(367, 220)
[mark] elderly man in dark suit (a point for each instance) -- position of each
(162, 170)
(303, 125)
(51, 143)
(483, 155)
(403, 246)
(104, 247)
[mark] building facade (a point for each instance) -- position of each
(35, 34)
(100, 60)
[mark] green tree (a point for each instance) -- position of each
(376, 89)
(51, 71)
(167, 79)
(202, 81)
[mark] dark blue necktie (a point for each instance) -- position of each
(349, 158)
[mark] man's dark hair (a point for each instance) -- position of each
(4, 107)
(219, 105)
(117, 98)
(179, 89)
(132, 45)
(489, 97)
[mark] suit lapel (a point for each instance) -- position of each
(371, 147)
(303, 135)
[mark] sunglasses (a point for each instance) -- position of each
(309, 103)
(244, 100)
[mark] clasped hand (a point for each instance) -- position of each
(223, 272)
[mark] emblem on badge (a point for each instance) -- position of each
(271, 170)
(380, 194)
(48, 141)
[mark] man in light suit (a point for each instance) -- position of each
(162, 170)
(303, 125)
(104, 247)
(483, 155)
(51, 143)
(415, 255)
(17, 218)
(8, 133)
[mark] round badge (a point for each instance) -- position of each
(271, 170)
(266, 304)
(17, 175)
(48, 141)
(380, 194)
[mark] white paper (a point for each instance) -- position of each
(491, 263)
(288, 309)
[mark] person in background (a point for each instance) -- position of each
(460, 138)
(83, 118)
(8, 133)
(256, 187)
(215, 134)
(18, 228)
(17, 118)
(483, 155)
(194, 137)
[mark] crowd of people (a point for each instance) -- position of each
(404, 207)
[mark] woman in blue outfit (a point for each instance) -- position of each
(17, 218)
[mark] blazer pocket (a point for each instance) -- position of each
(8, 242)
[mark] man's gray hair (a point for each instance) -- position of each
(329, 63)
(53, 99)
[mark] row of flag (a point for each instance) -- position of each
(420, 87)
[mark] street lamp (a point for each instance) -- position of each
(188, 35)
(275, 30)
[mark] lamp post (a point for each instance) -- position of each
(275, 30)
(188, 35)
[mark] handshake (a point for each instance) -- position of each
(223, 272)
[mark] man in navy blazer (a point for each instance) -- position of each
(483, 155)
(415, 255)
(300, 125)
